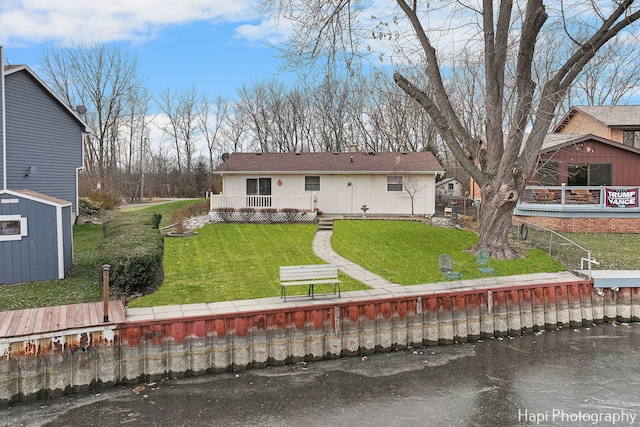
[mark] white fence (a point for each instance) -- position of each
(304, 202)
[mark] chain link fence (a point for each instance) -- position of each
(567, 252)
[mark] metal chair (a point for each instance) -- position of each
(482, 258)
(446, 267)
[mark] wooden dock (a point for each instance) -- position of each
(33, 321)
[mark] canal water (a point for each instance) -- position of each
(566, 377)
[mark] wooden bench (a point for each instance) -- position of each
(309, 275)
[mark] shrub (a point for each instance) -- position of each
(269, 214)
(246, 214)
(178, 218)
(290, 214)
(198, 209)
(107, 200)
(88, 207)
(225, 213)
(134, 249)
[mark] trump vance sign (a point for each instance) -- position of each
(622, 198)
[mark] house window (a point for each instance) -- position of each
(631, 138)
(311, 183)
(12, 227)
(548, 172)
(589, 174)
(450, 186)
(394, 183)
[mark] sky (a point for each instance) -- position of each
(214, 45)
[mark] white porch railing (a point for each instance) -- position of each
(303, 202)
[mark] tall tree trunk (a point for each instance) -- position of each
(496, 210)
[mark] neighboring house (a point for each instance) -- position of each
(44, 138)
(619, 123)
(592, 146)
(586, 160)
(449, 187)
(41, 143)
(588, 173)
(399, 183)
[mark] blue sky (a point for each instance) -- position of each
(216, 45)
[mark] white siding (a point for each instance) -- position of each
(336, 196)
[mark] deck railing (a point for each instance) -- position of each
(575, 196)
(303, 202)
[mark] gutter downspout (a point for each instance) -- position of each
(4, 121)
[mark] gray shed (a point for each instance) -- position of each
(36, 241)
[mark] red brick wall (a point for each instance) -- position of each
(585, 225)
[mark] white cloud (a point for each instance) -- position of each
(273, 32)
(64, 21)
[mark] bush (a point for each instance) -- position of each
(106, 199)
(225, 213)
(178, 218)
(290, 214)
(198, 209)
(88, 207)
(134, 249)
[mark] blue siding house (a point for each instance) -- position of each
(41, 148)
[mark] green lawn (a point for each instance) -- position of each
(241, 261)
(407, 252)
(226, 262)
(82, 284)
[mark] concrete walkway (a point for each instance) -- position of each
(322, 248)
(380, 288)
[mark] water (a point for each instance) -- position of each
(565, 377)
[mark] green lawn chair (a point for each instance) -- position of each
(446, 267)
(482, 258)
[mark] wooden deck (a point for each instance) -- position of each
(35, 321)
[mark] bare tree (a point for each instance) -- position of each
(611, 77)
(254, 107)
(100, 78)
(180, 110)
(506, 33)
(136, 127)
(211, 121)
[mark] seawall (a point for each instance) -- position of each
(75, 361)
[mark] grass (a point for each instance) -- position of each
(82, 284)
(407, 252)
(163, 209)
(226, 262)
(612, 251)
(241, 261)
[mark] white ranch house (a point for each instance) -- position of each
(340, 183)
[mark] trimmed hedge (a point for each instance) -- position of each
(133, 247)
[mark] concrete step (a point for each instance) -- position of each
(325, 224)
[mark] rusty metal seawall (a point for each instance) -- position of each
(48, 365)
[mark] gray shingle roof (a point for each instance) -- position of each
(610, 115)
(341, 162)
